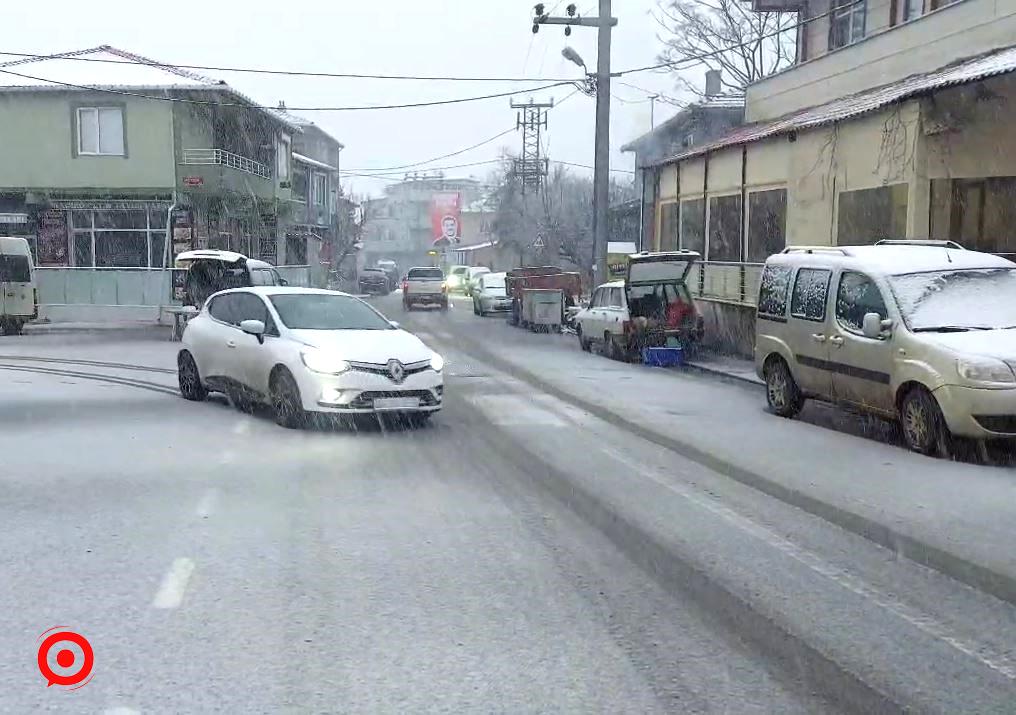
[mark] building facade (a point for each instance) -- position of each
(898, 128)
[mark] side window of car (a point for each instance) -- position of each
(250, 307)
(594, 300)
(616, 300)
(261, 277)
(857, 296)
(811, 289)
(773, 291)
(222, 308)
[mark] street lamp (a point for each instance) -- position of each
(572, 56)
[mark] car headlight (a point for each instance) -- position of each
(324, 362)
(436, 362)
(985, 370)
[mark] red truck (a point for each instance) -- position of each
(518, 279)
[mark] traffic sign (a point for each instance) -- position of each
(538, 243)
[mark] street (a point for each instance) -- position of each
(520, 554)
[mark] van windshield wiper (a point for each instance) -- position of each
(949, 328)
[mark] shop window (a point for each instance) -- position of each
(724, 228)
(100, 131)
(867, 215)
(982, 213)
(846, 23)
(132, 238)
(810, 292)
(296, 250)
(767, 224)
(669, 227)
(121, 249)
(693, 225)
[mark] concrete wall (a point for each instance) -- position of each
(963, 29)
(38, 142)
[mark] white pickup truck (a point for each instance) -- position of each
(424, 285)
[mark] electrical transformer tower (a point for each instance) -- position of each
(531, 168)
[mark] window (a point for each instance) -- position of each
(767, 224)
(978, 213)
(282, 158)
(866, 215)
(262, 277)
(100, 131)
(773, 290)
(320, 189)
(323, 311)
(615, 300)
(669, 227)
(597, 300)
(249, 307)
(296, 250)
(223, 308)
(300, 186)
(857, 296)
(426, 273)
(693, 225)
(912, 9)
(810, 292)
(724, 228)
(14, 269)
(123, 238)
(846, 24)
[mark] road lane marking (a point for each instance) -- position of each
(927, 623)
(174, 584)
(207, 503)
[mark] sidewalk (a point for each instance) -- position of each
(725, 365)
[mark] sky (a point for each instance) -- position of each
(461, 38)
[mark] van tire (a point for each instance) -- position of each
(922, 424)
(782, 393)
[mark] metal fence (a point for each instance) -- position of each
(225, 158)
(719, 280)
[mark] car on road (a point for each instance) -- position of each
(307, 350)
(19, 297)
(490, 295)
(391, 270)
(424, 285)
(456, 279)
(373, 281)
(212, 270)
(650, 307)
(472, 275)
(921, 332)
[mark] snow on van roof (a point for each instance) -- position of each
(894, 260)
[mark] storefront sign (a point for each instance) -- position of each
(445, 218)
(52, 238)
(9, 218)
(193, 180)
(121, 205)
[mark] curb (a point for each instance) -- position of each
(723, 373)
(975, 575)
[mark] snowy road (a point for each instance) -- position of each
(520, 555)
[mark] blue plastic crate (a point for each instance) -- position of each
(663, 357)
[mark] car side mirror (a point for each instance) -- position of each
(873, 326)
(283, 282)
(394, 324)
(255, 328)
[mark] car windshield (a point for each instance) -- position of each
(323, 311)
(458, 270)
(426, 273)
(968, 299)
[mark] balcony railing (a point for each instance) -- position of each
(222, 157)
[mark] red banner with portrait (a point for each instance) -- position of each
(445, 218)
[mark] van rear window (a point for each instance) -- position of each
(773, 290)
(14, 269)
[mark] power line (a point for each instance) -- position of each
(411, 105)
(286, 73)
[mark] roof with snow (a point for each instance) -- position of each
(720, 102)
(295, 119)
(109, 68)
(989, 64)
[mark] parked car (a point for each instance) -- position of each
(19, 297)
(653, 305)
(209, 271)
(472, 274)
(456, 279)
(373, 281)
(391, 270)
(307, 350)
(424, 285)
(490, 295)
(923, 334)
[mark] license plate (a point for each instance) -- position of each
(396, 403)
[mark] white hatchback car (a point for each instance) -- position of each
(305, 350)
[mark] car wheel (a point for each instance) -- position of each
(782, 393)
(586, 345)
(289, 412)
(610, 348)
(921, 420)
(189, 378)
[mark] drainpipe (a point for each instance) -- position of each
(642, 210)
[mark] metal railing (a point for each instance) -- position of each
(723, 280)
(222, 157)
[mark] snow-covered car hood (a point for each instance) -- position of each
(993, 343)
(374, 346)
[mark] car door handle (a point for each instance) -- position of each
(818, 337)
(230, 343)
(836, 340)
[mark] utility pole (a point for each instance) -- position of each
(652, 110)
(601, 161)
(531, 168)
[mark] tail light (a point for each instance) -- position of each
(444, 287)
(405, 284)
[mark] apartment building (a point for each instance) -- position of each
(896, 121)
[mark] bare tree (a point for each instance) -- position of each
(725, 35)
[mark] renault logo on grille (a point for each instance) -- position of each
(396, 370)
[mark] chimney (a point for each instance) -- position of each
(713, 83)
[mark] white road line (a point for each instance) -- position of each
(207, 504)
(170, 593)
(998, 662)
(121, 711)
